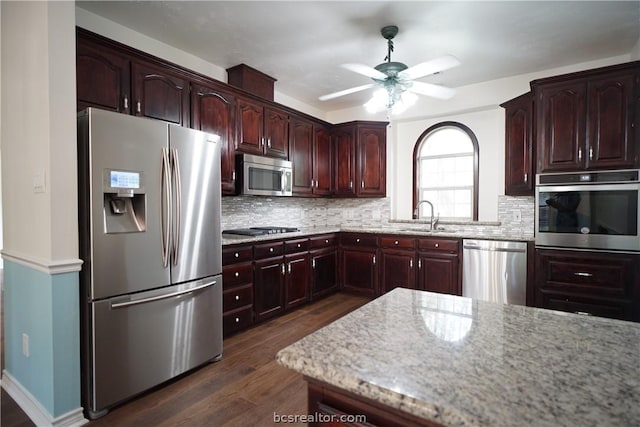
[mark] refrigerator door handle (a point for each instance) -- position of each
(160, 297)
(175, 169)
(165, 208)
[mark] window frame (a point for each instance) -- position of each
(476, 162)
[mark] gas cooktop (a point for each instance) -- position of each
(260, 231)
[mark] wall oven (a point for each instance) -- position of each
(264, 176)
(588, 210)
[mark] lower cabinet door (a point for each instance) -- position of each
(324, 272)
(297, 280)
(237, 320)
(268, 288)
(359, 271)
(439, 273)
(398, 270)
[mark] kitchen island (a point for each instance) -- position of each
(414, 357)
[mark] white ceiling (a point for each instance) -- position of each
(303, 43)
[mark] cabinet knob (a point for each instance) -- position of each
(326, 241)
(357, 240)
(299, 245)
(237, 297)
(436, 245)
(237, 255)
(237, 320)
(270, 249)
(526, 178)
(126, 103)
(138, 107)
(237, 274)
(395, 243)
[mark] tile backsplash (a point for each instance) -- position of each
(515, 214)
(246, 211)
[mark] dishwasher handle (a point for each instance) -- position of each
(476, 247)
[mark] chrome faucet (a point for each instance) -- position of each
(416, 212)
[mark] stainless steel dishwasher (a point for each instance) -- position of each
(494, 271)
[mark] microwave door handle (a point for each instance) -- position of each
(283, 180)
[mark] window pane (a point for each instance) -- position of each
(445, 159)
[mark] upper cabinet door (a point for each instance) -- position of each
(250, 125)
(301, 156)
(372, 154)
(102, 78)
(610, 122)
(160, 94)
(561, 127)
(213, 111)
(322, 160)
(519, 152)
(276, 133)
(344, 153)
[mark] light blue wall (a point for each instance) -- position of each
(46, 308)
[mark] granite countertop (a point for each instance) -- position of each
(462, 362)
(309, 231)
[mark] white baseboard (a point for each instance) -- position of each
(34, 410)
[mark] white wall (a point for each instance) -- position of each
(38, 132)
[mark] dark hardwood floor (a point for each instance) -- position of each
(245, 388)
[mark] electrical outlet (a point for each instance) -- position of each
(517, 215)
(25, 345)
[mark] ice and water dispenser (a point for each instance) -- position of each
(125, 200)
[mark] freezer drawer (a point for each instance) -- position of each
(143, 340)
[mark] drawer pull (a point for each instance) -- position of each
(581, 274)
(237, 274)
(237, 255)
(357, 240)
(237, 297)
(299, 245)
(326, 241)
(237, 320)
(436, 245)
(395, 243)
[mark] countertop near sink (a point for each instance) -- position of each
(462, 362)
(231, 240)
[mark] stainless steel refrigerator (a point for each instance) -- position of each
(150, 238)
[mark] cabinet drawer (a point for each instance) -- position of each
(614, 309)
(268, 250)
(237, 320)
(237, 297)
(359, 240)
(298, 245)
(397, 242)
(238, 254)
(319, 242)
(441, 245)
(597, 274)
(237, 274)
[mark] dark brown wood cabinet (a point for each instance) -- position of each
(102, 78)
(323, 254)
(585, 120)
(358, 263)
(261, 130)
(269, 288)
(213, 110)
(519, 173)
(310, 153)
(159, 93)
(297, 273)
(600, 284)
(398, 263)
(439, 266)
(237, 293)
(360, 159)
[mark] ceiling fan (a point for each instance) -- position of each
(395, 79)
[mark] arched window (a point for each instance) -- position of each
(445, 172)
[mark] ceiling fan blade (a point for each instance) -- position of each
(345, 92)
(429, 89)
(365, 70)
(429, 67)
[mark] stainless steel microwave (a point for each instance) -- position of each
(588, 210)
(264, 176)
